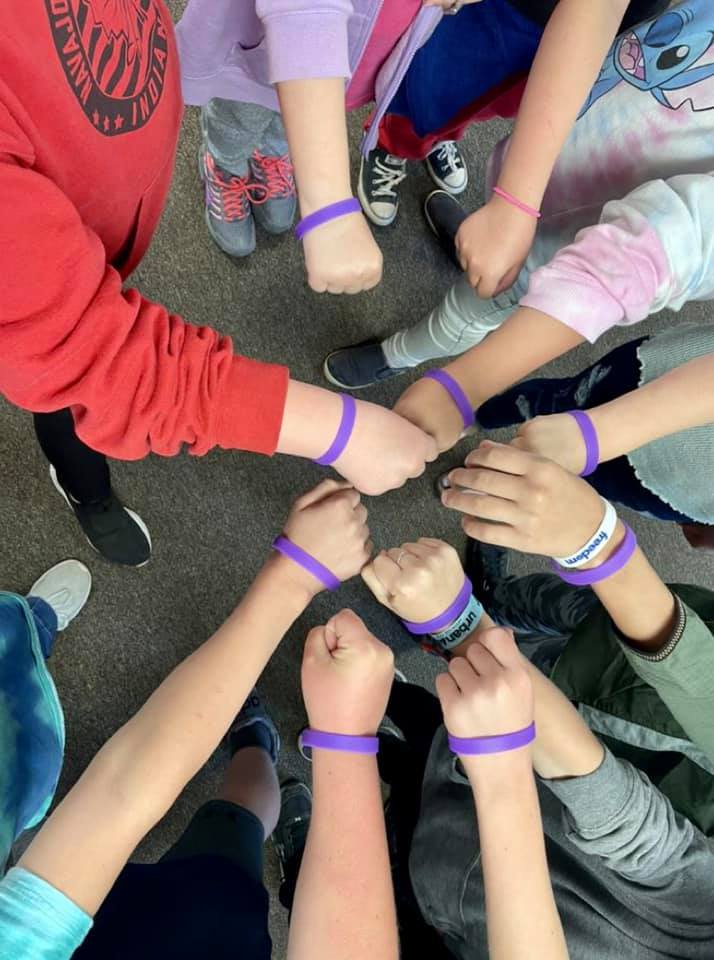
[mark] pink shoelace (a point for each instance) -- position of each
(229, 197)
(275, 174)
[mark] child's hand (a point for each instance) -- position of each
(342, 257)
(330, 524)
(384, 451)
(518, 500)
(492, 245)
(346, 677)
(557, 437)
(430, 407)
(488, 692)
(417, 581)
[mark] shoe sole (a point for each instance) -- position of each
(427, 215)
(134, 516)
(366, 208)
(442, 185)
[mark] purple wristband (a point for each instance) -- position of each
(477, 746)
(456, 393)
(338, 741)
(614, 563)
(325, 214)
(304, 560)
(452, 612)
(592, 446)
(344, 432)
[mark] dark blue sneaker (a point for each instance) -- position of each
(254, 727)
(444, 215)
(446, 167)
(353, 368)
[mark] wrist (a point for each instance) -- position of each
(615, 540)
(322, 193)
(298, 587)
(499, 774)
(311, 420)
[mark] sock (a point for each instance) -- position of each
(254, 735)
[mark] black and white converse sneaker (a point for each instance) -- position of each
(447, 168)
(379, 176)
(117, 533)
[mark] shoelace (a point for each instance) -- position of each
(275, 173)
(448, 154)
(386, 179)
(229, 197)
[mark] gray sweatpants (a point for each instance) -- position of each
(232, 131)
(461, 320)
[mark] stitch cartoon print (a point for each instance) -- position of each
(671, 57)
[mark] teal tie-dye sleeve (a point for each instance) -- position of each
(36, 920)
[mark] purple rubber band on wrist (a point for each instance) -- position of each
(331, 212)
(478, 746)
(456, 393)
(337, 741)
(304, 560)
(592, 445)
(614, 563)
(452, 612)
(344, 432)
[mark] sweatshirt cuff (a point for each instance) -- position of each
(292, 40)
(592, 802)
(251, 407)
(562, 299)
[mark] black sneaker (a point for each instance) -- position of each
(485, 566)
(254, 727)
(444, 214)
(379, 176)
(446, 167)
(352, 368)
(290, 834)
(114, 531)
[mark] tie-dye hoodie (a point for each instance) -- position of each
(628, 217)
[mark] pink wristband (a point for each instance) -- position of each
(515, 202)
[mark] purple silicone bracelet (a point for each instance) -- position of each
(476, 746)
(592, 446)
(452, 612)
(456, 394)
(338, 741)
(304, 560)
(325, 214)
(614, 563)
(344, 432)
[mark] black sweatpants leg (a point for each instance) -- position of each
(82, 471)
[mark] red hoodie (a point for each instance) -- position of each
(90, 111)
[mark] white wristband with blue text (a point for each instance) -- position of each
(465, 623)
(595, 544)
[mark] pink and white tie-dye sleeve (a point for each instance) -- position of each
(611, 275)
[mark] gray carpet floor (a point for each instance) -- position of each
(212, 519)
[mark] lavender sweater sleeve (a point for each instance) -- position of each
(649, 251)
(306, 38)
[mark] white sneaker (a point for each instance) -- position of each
(66, 588)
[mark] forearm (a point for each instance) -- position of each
(569, 59)
(313, 113)
(344, 902)
(639, 603)
(678, 400)
(527, 340)
(522, 917)
(310, 420)
(138, 774)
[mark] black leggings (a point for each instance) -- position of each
(81, 470)
(402, 765)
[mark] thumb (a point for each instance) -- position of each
(351, 635)
(316, 645)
